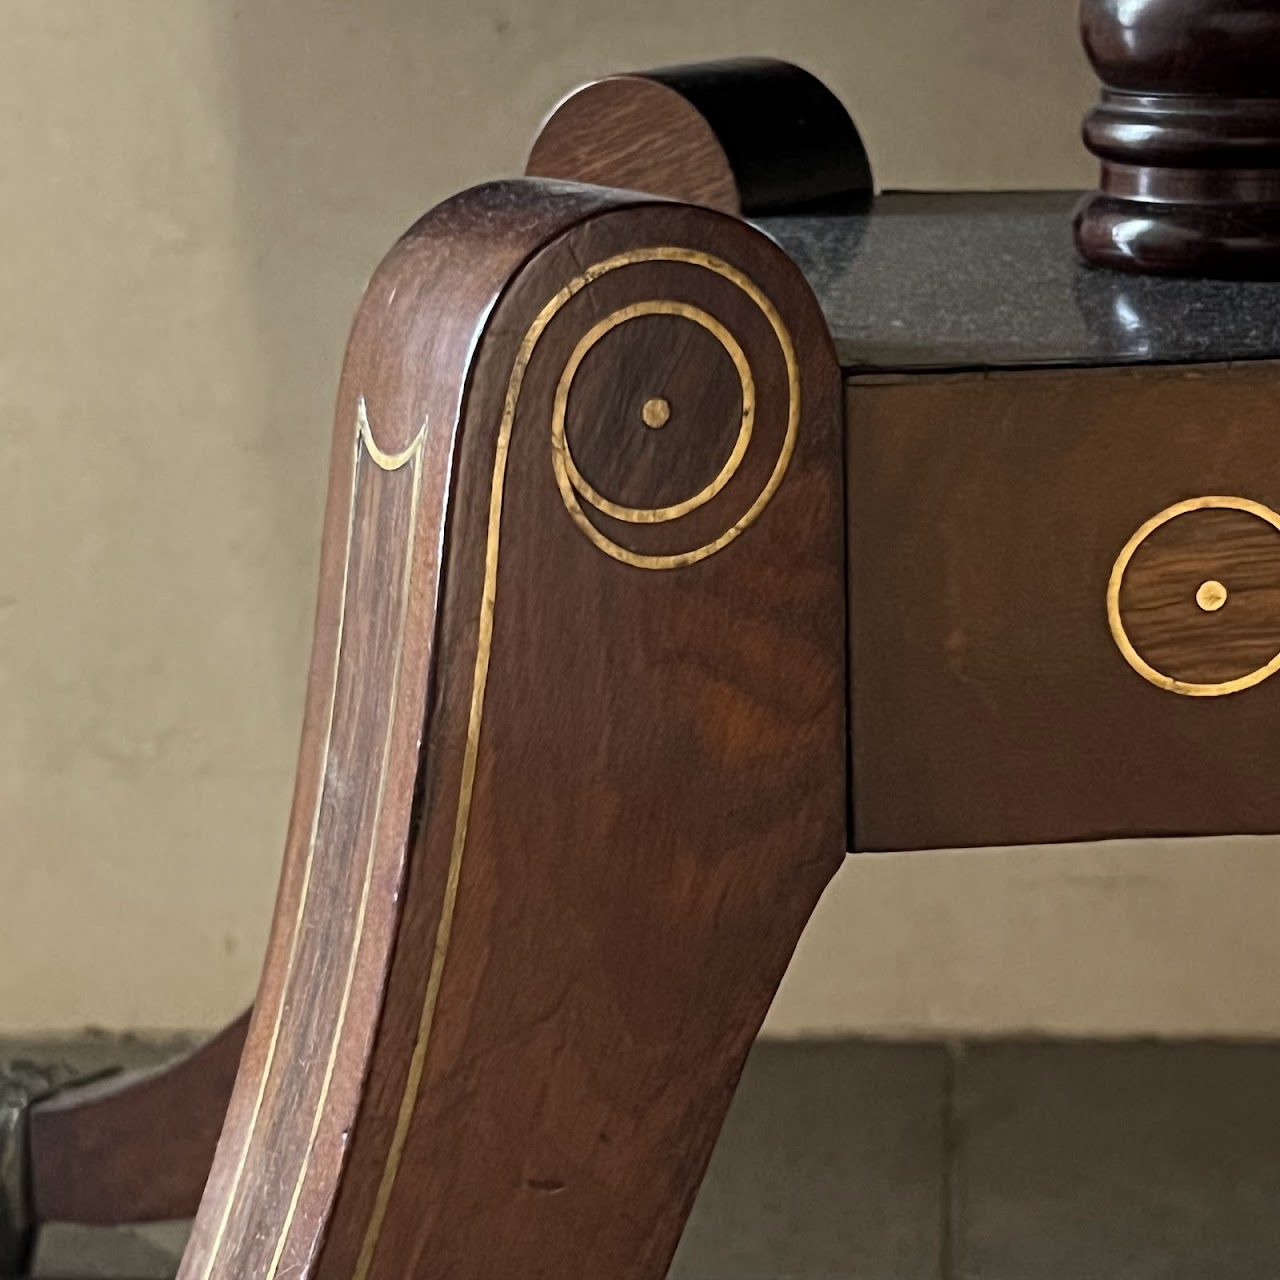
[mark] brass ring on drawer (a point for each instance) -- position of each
(1121, 636)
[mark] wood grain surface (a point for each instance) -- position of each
(573, 768)
(991, 704)
(639, 134)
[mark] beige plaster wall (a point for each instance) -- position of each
(193, 194)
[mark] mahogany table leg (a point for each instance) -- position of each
(573, 772)
(134, 1147)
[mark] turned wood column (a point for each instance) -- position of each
(1188, 132)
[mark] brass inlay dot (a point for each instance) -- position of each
(656, 412)
(1211, 596)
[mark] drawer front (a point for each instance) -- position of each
(1065, 605)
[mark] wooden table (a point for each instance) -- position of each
(668, 558)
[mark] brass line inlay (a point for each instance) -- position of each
(1214, 601)
(392, 463)
(484, 638)
(386, 462)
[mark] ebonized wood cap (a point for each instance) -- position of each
(748, 136)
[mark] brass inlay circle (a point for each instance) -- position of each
(560, 459)
(411, 456)
(654, 515)
(656, 413)
(1211, 596)
(1121, 636)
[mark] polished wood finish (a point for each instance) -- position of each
(134, 1147)
(571, 781)
(991, 702)
(749, 136)
(1188, 132)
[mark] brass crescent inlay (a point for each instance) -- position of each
(387, 461)
(484, 635)
(654, 515)
(1211, 595)
(363, 441)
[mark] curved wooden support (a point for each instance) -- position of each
(1188, 132)
(573, 769)
(134, 1147)
(749, 136)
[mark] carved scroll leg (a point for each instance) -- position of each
(574, 769)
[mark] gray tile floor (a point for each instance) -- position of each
(868, 1161)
